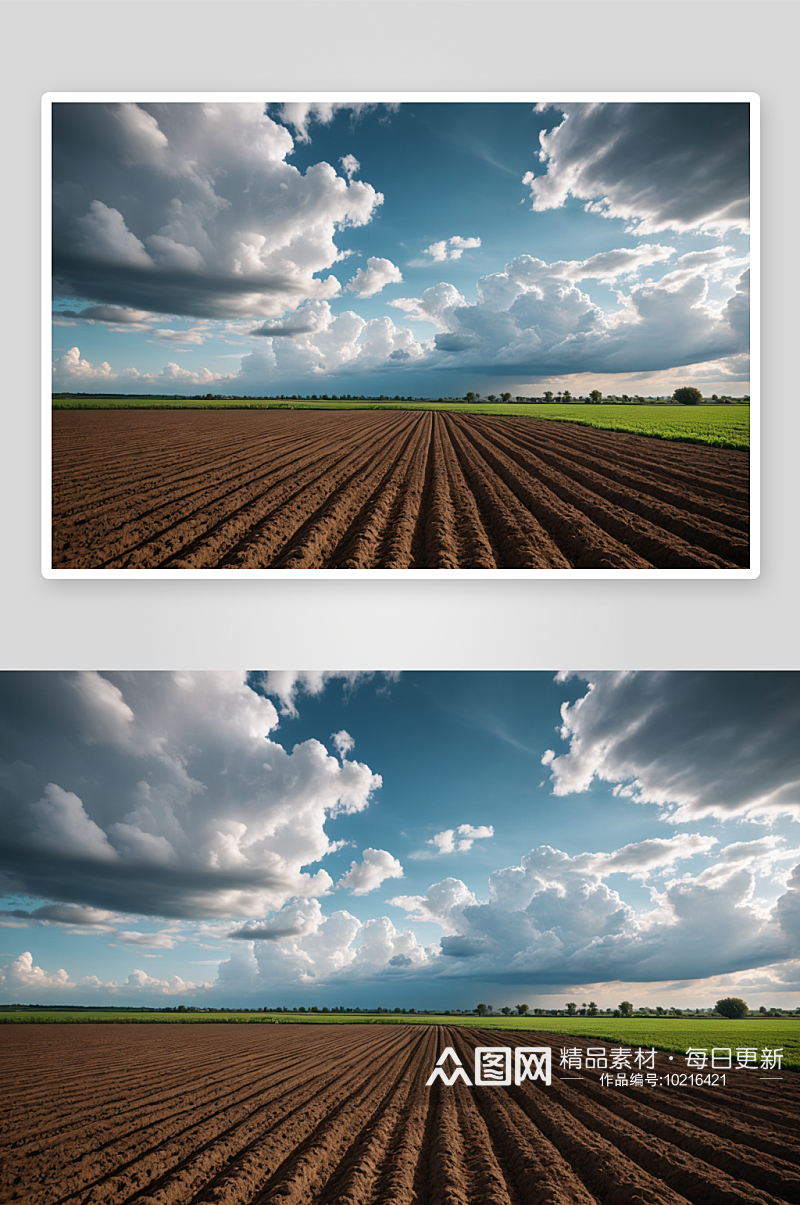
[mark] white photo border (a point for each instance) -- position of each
(268, 97)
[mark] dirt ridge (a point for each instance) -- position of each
(342, 1115)
(386, 490)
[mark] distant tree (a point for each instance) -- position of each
(522, 1009)
(506, 1011)
(566, 396)
(592, 1009)
(505, 397)
(470, 397)
(492, 398)
(688, 396)
(548, 395)
(572, 1008)
(626, 1009)
(482, 1010)
(732, 1006)
(595, 396)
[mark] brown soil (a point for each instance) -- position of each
(162, 1114)
(351, 489)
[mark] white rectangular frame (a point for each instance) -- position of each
(750, 98)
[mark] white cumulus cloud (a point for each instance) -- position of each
(222, 225)
(451, 248)
(459, 840)
(379, 272)
(23, 976)
(70, 366)
(367, 875)
(188, 806)
(288, 685)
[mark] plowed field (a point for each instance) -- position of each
(386, 489)
(245, 1115)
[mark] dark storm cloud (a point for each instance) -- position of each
(176, 292)
(659, 165)
(260, 933)
(114, 314)
(721, 744)
(178, 892)
(162, 794)
(449, 341)
(192, 210)
(63, 914)
(462, 947)
(285, 330)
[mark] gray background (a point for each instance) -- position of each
(388, 45)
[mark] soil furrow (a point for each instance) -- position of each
(141, 1151)
(653, 545)
(395, 489)
(325, 1122)
(685, 495)
(616, 1116)
(579, 541)
(342, 1115)
(269, 536)
(371, 1154)
(379, 533)
(433, 544)
(244, 510)
(316, 540)
(476, 548)
(282, 460)
(170, 476)
(521, 539)
(714, 537)
(209, 1093)
(200, 1150)
(725, 474)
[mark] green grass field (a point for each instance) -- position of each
(716, 426)
(671, 1034)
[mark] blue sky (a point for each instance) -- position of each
(414, 840)
(411, 249)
